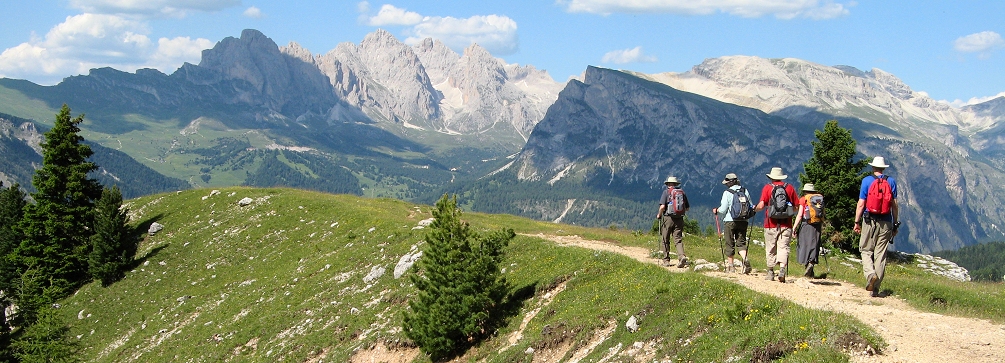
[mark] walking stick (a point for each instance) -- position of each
(722, 249)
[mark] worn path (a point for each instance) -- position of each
(914, 336)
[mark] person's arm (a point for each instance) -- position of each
(760, 204)
(799, 217)
(858, 215)
(663, 208)
(724, 203)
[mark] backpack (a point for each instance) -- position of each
(814, 206)
(780, 206)
(879, 197)
(675, 204)
(741, 209)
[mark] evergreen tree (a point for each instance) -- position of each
(112, 244)
(837, 176)
(57, 228)
(11, 210)
(46, 341)
(460, 287)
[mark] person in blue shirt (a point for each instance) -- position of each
(877, 229)
(735, 230)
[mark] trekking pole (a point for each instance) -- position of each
(722, 249)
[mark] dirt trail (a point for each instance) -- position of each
(914, 336)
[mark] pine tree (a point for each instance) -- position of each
(47, 341)
(112, 244)
(460, 287)
(837, 176)
(11, 210)
(57, 228)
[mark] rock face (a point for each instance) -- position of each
(384, 77)
(791, 87)
(480, 91)
(627, 130)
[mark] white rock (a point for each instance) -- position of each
(426, 222)
(80, 315)
(632, 324)
(706, 266)
(405, 263)
(375, 273)
(530, 350)
(214, 192)
(245, 201)
(154, 228)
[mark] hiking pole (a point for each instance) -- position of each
(722, 249)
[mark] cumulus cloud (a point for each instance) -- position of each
(782, 9)
(391, 15)
(979, 42)
(634, 55)
(151, 8)
(87, 41)
(972, 101)
(495, 33)
(253, 12)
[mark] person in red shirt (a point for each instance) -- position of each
(777, 222)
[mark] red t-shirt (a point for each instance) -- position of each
(766, 199)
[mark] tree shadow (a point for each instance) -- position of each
(825, 283)
(153, 252)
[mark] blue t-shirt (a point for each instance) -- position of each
(864, 191)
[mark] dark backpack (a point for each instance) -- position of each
(879, 197)
(814, 208)
(675, 204)
(741, 209)
(780, 207)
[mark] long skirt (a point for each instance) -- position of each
(809, 244)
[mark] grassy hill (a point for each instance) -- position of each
(300, 276)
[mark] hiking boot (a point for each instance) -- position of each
(682, 263)
(781, 274)
(730, 269)
(874, 294)
(809, 270)
(871, 286)
(746, 267)
(770, 276)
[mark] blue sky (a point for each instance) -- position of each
(953, 50)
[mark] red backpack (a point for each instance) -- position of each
(879, 197)
(675, 204)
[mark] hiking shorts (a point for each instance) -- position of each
(736, 237)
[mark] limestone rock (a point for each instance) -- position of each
(154, 228)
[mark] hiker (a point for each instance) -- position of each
(673, 206)
(876, 218)
(807, 226)
(735, 204)
(779, 202)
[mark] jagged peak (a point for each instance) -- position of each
(476, 51)
(296, 50)
(380, 37)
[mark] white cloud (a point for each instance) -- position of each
(495, 33)
(391, 15)
(979, 42)
(152, 8)
(87, 41)
(623, 56)
(253, 12)
(973, 101)
(363, 7)
(782, 9)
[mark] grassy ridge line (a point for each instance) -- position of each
(283, 279)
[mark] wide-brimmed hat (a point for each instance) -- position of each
(879, 162)
(671, 180)
(808, 187)
(729, 177)
(776, 174)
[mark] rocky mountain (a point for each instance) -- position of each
(369, 109)
(792, 87)
(480, 91)
(22, 154)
